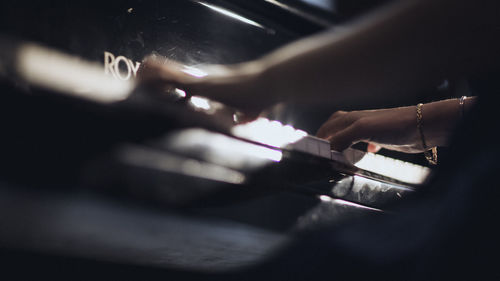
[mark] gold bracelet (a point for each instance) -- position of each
(430, 154)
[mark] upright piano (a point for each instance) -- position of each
(95, 168)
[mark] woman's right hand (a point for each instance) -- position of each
(393, 128)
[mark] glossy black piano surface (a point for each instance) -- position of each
(153, 181)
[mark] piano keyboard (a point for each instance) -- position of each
(275, 134)
(389, 167)
(270, 133)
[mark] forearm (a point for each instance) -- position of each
(404, 49)
(440, 118)
(388, 56)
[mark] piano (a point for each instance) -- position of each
(94, 167)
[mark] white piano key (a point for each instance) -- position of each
(396, 169)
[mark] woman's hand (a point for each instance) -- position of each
(393, 128)
(241, 86)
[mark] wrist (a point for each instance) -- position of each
(440, 119)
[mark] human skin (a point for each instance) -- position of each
(390, 55)
(395, 128)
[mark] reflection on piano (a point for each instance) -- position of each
(135, 176)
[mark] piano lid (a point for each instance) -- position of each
(191, 32)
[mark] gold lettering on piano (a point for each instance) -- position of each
(120, 67)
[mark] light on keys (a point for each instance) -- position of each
(396, 169)
(272, 133)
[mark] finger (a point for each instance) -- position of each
(148, 69)
(373, 147)
(337, 114)
(344, 138)
(153, 69)
(327, 129)
(245, 117)
(331, 127)
(321, 133)
(336, 122)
